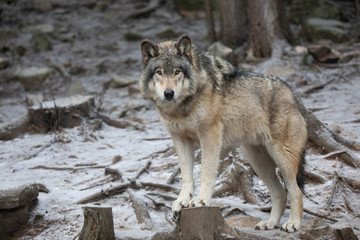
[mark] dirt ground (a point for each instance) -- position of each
(93, 41)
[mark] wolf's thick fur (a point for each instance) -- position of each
(202, 98)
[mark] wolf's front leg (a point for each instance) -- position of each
(185, 150)
(210, 147)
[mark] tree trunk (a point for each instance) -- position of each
(98, 224)
(210, 21)
(234, 22)
(266, 26)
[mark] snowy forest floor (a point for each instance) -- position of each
(71, 163)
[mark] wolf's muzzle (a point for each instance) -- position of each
(169, 94)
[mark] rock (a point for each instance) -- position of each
(41, 42)
(316, 228)
(76, 69)
(33, 77)
(344, 230)
(4, 63)
(280, 70)
(317, 28)
(301, 49)
(20, 50)
(131, 36)
(44, 28)
(117, 82)
(167, 34)
(102, 67)
(301, 10)
(34, 99)
(7, 34)
(322, 52)
(220, 50)
(243, 222)
(43, 5)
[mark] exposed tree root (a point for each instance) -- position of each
(327, 140)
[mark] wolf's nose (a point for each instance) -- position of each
(169, 94)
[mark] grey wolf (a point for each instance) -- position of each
(205, 99)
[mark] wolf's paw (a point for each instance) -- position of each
(197, 202)
(265, 225)
(291, 226)
(177, 206)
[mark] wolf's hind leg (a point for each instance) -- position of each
(287, 160)
(264, 167)
(185, 150)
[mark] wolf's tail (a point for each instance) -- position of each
(300, 177)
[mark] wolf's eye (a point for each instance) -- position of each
(158, 72)
(177, 72)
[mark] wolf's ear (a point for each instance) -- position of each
(148, 50)
(183, 45)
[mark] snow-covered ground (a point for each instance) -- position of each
(79, 155)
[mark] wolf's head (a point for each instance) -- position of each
(168, 73)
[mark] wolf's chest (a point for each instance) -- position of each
(183, 128)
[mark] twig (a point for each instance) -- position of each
(99, 183)
(143, 170)
(156, 203)
(167, 219)
(166, 197)
(156, 139)
(314, 176)
(333, 154)
(350, 183)
(332, 192)
(225, 187)
(123, 187)
(55, 168)
(104, 193)
(156, 153)
(159, 185)
(348, 205)
(66, 168)
(59, 68)
(173, 176)
(268, 209)
(319, 87)
(118, 123)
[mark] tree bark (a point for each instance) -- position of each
(266, 26)
(210, 20)
(234, 22)
(98, 224)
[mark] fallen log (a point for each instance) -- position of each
(18, 197)
(122, 188)
(98, 224)
(15, 204)
(141, 212)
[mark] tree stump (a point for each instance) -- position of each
(204, 223)
(60, 113)
(15, 204)
(98, 224)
